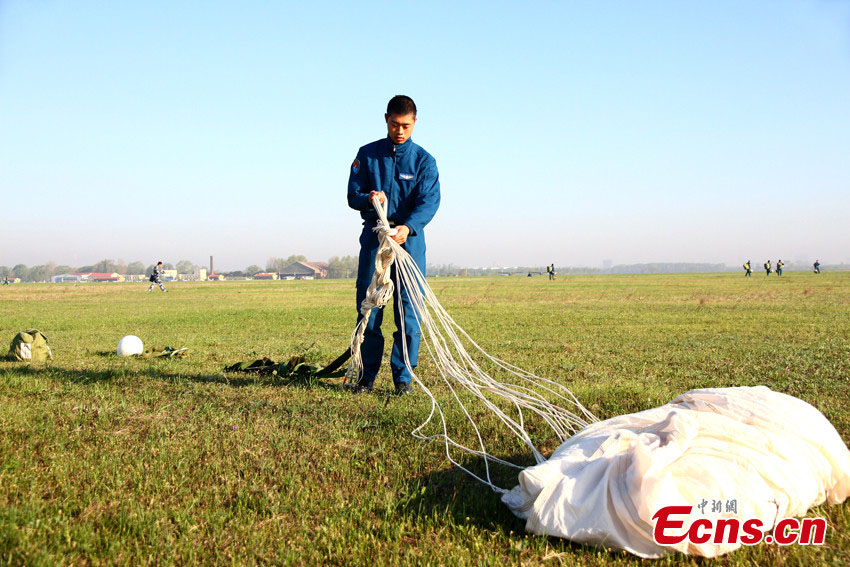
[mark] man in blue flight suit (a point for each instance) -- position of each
(403, 175)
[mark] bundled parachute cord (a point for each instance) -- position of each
(444, 339)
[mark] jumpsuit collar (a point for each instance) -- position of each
(400, 149)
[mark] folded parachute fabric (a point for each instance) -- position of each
(770, 455)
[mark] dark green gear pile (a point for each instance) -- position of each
(165, 352)
(295, 367)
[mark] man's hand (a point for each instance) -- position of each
(402, 233)
(382, 198)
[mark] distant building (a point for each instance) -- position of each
(82, 277)
(67, 278)
(266, 276)
(113, 277)
(216, 277)
(305, 271)
(197, 275)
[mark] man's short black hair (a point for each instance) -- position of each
(158, 263)
(401, 105)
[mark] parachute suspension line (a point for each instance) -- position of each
(444, 339)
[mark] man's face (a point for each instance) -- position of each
(400, 127)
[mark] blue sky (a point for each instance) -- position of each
(565, 132)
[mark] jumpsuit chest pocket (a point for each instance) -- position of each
(406, 183)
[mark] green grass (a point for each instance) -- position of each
(113, 461)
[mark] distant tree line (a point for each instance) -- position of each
(345, 267)
(338, 267)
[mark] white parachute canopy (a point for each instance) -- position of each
(770, 455)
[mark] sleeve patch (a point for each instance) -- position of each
(355, 167)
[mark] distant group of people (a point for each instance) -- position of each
(748, 270)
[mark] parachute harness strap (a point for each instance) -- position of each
(467, 384)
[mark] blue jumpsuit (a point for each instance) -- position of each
(408, 175)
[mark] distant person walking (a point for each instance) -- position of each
(817, 266)
(551, 271)
(767, 268)
(156, 277)
(748, 268)
(779, 265)
(5, 280)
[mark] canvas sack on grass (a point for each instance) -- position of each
(30, 346)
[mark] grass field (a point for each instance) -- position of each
(113, 461)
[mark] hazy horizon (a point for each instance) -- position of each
(573, 134)
(605, 267)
